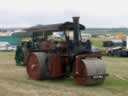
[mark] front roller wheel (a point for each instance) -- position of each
(80, 76)
(37, 67)
(90, 72)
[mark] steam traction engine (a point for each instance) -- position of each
(50, 59)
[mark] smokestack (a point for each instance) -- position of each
(76, 30)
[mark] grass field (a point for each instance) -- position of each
(14, 81)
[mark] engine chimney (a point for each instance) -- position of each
(76, 30)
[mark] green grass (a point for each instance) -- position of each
(98, 42)
(15, 82)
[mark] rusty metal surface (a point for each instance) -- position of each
(36, 66)
(33, 67)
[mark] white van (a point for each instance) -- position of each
(12, 48)
(4, 46)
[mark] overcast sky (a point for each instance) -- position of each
(93, 13)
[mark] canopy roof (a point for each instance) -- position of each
(54, 27)
(47, 28)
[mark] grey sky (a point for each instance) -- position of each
(93, 13)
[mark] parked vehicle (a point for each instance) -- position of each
(12, 48)
(49, 59)
(4, 46)
(117, 51)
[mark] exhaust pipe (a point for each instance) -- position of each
(76, 30)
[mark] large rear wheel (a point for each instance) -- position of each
(37, 67)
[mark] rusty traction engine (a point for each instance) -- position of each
(71, 56)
